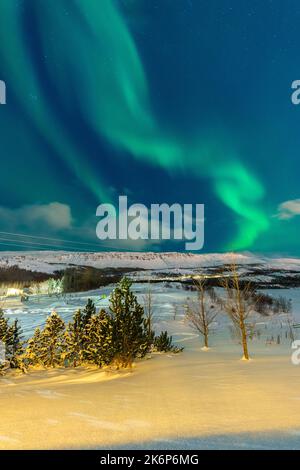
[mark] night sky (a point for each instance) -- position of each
(184, 101)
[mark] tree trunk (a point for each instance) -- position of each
(50, 355)
(244, 342)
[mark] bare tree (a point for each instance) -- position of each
(290, 323)
(175, 311)
(37, 290)
(148, 310)
(199, 315)
(240, 303)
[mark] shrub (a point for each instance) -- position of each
(163, 343)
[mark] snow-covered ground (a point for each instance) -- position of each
(195, 399)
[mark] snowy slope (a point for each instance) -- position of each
(50, 261)
(192, 400)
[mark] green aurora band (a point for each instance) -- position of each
(99, 57)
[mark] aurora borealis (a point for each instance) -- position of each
(166, 101)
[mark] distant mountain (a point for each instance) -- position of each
(50, 261)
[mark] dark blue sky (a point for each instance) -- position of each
(166, 101)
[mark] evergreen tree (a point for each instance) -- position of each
(130, 332)
(52, 341)
(34, 350)
(3, 327)
(10, 336)
(75, 338)
(14, 346)
(3, 338)
(100, 344)
(164, 343)
(88, 311)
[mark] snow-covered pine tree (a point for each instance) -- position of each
(34, 349)
(75, 338)
(164, 343)
(14, 346)
(3, 327)
(52, 341)
(130, 332)
(88, 311)
(3, 336)
(100, 348)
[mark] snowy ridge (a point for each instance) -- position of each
(50, 261)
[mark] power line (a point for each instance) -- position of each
(48, 238)
(39, 246)
(16, 244)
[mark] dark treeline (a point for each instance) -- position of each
(266, 304)
(14, 274)
(75, 278)
(83, 278)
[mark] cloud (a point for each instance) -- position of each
(53, 216)
(288, 209)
